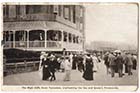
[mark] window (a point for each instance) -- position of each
(70, 37)
(8, 35)
(74, 14)
(36, 35)
(74, 41)
(59, 10)
(31, 9)
(17, 9)
(65, 36)
(21, 35)
(36, 9)
(81, 12)
(67, 12)
(77, 39)
(5, 10)
(54, 35)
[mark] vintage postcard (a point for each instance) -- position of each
(70, 46)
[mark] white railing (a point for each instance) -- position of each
(36, 43)
(8, 44)
(53, 44)
(33, 44)
(20, 43)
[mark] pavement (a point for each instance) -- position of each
(100, 78)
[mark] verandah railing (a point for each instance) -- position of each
(32, 44)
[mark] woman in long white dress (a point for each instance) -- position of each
(42, 56)
(67, 66)
(95, 62)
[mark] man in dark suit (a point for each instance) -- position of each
(119, 64)
(112, 64)
(52, 67)
(129, 63)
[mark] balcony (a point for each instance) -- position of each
(36, 44)
(20, 44)
(53, 44)
(31, 17)
(33, 44)
(8, 44)
(40, 17)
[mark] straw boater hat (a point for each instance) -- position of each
(42, 52)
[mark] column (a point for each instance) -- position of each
(14, 39)
(27, 39)
(45, 39)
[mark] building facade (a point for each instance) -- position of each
(44, 27)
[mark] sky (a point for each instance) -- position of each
(111, 22)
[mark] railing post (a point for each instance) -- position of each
(33, 65)
(13, 39)
(27, 39)
(45, 39)
(15, 67)
(25, 64)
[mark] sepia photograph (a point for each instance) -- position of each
(70, 44)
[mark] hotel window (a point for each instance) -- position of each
(59, 10)
(74, 39)
(36, 35)
(65, 36)
(17, 9)
(74, 14)
(5, 10)
(54, 35)
(67, 12)
(77, 39)
(21, 35)
(31, 9)
(55, 9)
(8, 35)
(70, 37)
(37, 8)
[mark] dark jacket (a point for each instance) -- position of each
(112, 60)
(119, 60)
(128, 60)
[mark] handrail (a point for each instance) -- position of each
(34, 62)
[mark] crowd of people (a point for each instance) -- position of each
(120, 63)
(88, 64)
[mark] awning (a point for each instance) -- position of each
(12, 26)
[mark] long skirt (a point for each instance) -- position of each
(134, 64)
(88, 75)
(46, 73)
(96, 67)
(67, 75)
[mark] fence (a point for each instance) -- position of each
(20, 67)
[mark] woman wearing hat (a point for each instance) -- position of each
(44, 63)
(88, 73)
(67, 67)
